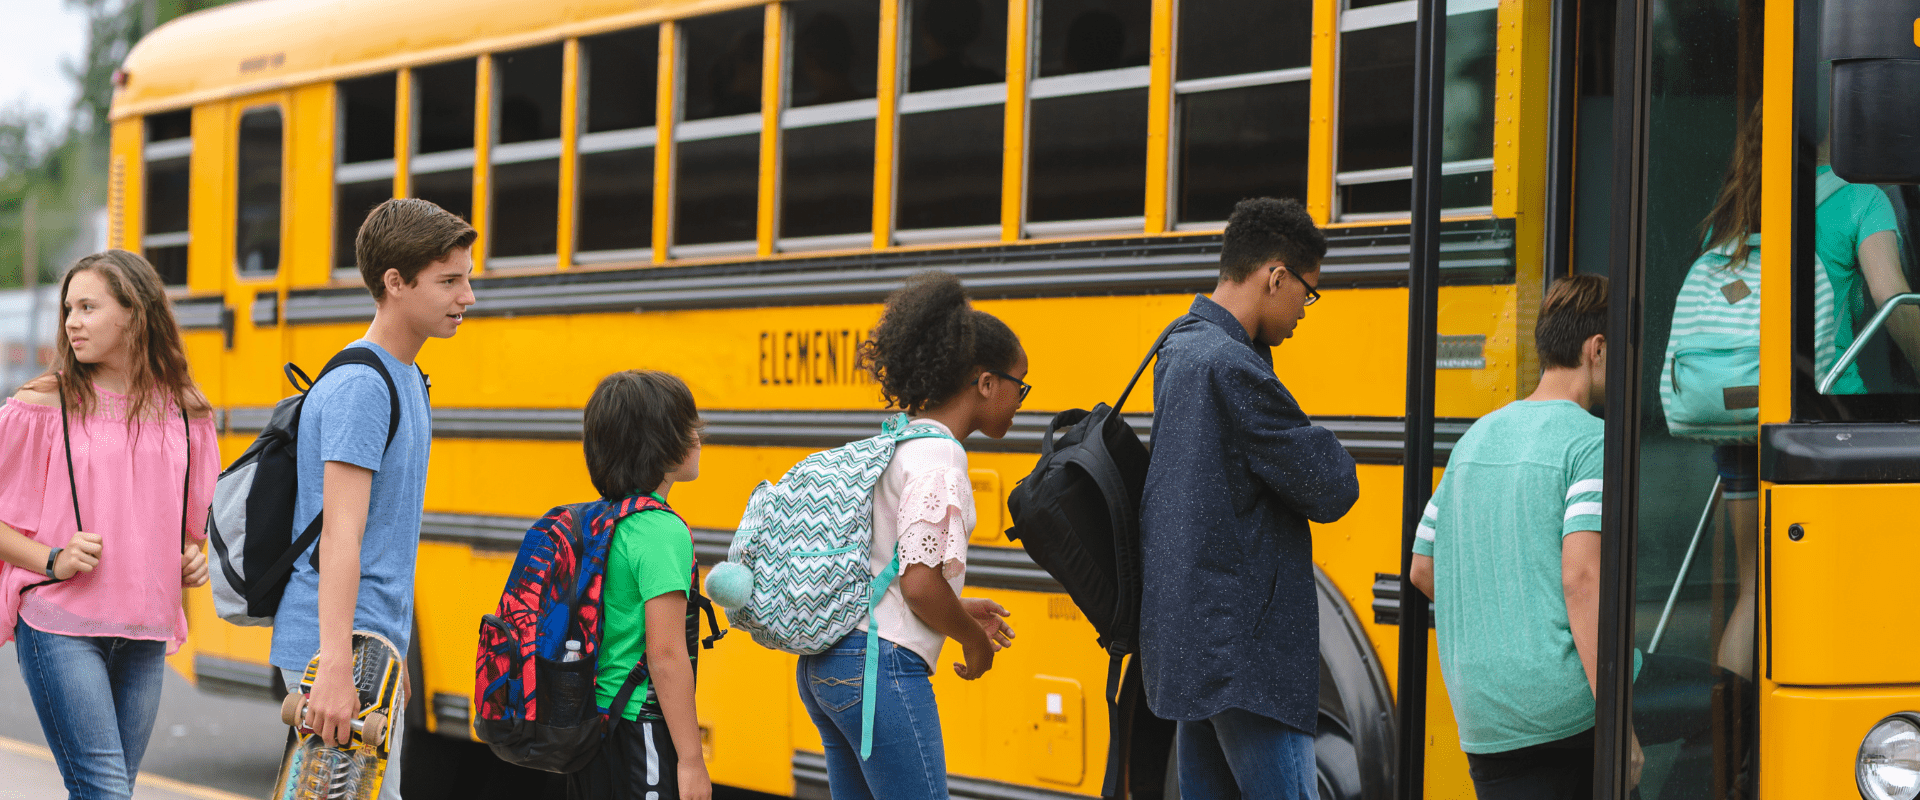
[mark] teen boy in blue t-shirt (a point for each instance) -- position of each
(415, 259)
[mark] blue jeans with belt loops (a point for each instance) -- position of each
(97, 697)
(909, 760)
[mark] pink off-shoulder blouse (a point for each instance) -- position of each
(129, 479)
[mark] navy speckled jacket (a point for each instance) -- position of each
(1228, 615)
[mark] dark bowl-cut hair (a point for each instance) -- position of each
(640, 424)
(1574, 310)
(1263, 229)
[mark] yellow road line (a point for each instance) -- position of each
(148, 781)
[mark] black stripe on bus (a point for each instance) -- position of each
(992, 567)
(1472, 252)
(1372, 440)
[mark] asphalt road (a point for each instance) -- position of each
(233, 745)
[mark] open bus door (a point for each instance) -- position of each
(1752, 638)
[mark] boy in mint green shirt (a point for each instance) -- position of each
(642, 435)
(1509, 550)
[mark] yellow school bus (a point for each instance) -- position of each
(727, 189)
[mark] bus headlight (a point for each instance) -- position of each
(1889, 764)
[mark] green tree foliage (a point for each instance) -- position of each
(65, 170)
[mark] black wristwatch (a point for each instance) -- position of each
(52, 556)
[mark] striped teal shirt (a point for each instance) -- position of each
(1520, 479)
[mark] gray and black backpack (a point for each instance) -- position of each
(251, 523)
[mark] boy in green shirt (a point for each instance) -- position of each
(642, 435)
(1509, 550)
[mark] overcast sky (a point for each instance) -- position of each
(35, 36)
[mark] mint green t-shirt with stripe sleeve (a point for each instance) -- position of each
(651, 555)
(1518, 481)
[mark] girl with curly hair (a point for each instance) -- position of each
(948, 365)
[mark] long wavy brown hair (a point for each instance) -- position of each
(157, 363)
(1736, 214)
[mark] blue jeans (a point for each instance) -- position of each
(97, 697)
(909, 761)
(1240, 754)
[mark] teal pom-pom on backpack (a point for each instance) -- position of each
(796, 574)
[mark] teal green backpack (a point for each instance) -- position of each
(796, 574)
(1710, 381)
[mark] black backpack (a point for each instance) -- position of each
(1077, 514)
(251, 522)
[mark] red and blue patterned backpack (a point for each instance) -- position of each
(533, 706)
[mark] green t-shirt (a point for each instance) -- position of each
(1852, 214)
(1518, 481)
(651, 555)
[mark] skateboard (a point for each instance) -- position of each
(315, 770)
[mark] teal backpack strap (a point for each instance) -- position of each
(875, 591)
(898, 428)
(1825, 186)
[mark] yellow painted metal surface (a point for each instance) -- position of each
(666, 118)
(571, 129)
(1810, 737)
(1849, 556)
(1320, 103)
(482, 159)
(1160, 117)
(885, 139)
(403, 133)
(772, 87)
(127, 185)
(1013, 159)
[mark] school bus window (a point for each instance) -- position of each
(258, 176)
(1240, 37)
(620, 75)
(1242, 82)
(1087, 151)
(442, 164)
(717, 188)
(827, 167)
(525, 220)
(168, 151)
(951, 129)
(1375, 120)
(364, 175)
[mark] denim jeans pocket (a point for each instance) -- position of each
(836, 677)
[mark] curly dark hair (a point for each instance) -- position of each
(1264, 229)
(640, 424)
(930, 341)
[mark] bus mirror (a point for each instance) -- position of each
(1875, 49)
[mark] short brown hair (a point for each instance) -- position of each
(1574, 311)
(406, 234)
(640, 424)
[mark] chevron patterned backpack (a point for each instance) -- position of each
(796, 574)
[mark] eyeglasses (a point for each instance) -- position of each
(1313, 293)
(1024, 386)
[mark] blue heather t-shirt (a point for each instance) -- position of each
(345, 419)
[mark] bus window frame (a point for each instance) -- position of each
(907, 102)
(154, 151)
(279, 102)
(361, 172)
(790, 117)
(532, 151)
(1385, 15)
(588, 142)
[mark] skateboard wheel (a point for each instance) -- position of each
(375, 730)
(290, 709)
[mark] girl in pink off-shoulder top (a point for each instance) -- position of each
(107, 465)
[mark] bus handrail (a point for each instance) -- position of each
(1853, 351)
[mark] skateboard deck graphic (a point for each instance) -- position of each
(315, 770)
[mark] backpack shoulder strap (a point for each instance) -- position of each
(1826, 186)
(361, 355)
(1151, 352)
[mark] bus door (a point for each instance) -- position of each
(1759, 461)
